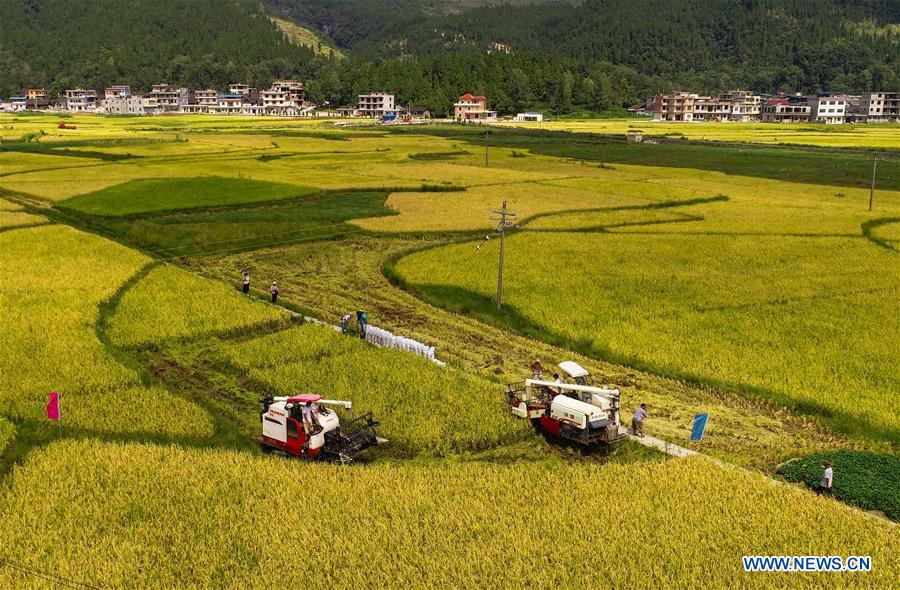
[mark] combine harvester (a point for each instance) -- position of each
(319, 435)
(577, 411)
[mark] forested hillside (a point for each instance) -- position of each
(595, 54)
(93, 43)
(769, 45)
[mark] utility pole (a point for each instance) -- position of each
(506, 219)
(872, 190)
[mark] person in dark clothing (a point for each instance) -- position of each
(362, 320)
(246, 282)
(274, 290)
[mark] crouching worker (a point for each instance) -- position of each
(345, 323)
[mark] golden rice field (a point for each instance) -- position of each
(755, 204)
(170, 303)
(423, 408)
(808, 322)
(686, 285)
(330, 278)
(821, 135)
(7, 432)
(170, 517)
(54, 278)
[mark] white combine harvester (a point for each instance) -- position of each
(574, 411)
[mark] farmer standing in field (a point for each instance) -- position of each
(246, 282)
(825, 484)
(361, 320)
(537, 370)
(637, 423)
(274, 290)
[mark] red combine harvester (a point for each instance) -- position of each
(302, 426)
(574, 411)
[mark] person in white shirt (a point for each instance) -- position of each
(637, 423)
(308, 418)
(825, 484)
(558, 380)
(274, 290)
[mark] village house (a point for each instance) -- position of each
(132, 104)
(375, 104)
(36, 98)
(745, 105)
(248, 94)
(119, 91)
(207, 97)
(785, 110)
(880, 107)
(17, 103)
(711, 109)
(419, 112)
(284, 97)
(676, 106)
(528, 118)
(829, 108)
(469, 107)
(164, 98)
(80, 100)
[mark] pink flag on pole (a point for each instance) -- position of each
(53, 406)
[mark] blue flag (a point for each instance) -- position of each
(699, 426)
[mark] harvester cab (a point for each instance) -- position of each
(575, 411)
(304, 426)
(576, 372)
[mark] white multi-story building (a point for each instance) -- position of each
(827, 108)
(375, 104)
(207, 97)
(164, 98)
(249, 94)
(133, 104)
(80, 100)
(285, 97)
(880, 107)
(745, 106)
(711, 109)
(118, 91)
(677, 106)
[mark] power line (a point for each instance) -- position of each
(47, 576)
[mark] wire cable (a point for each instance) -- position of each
(47, 576)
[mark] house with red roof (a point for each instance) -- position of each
(469, 107)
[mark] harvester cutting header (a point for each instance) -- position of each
(576, 411)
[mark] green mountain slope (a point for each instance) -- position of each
(99, 42)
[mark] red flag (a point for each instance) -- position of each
(53, 406)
